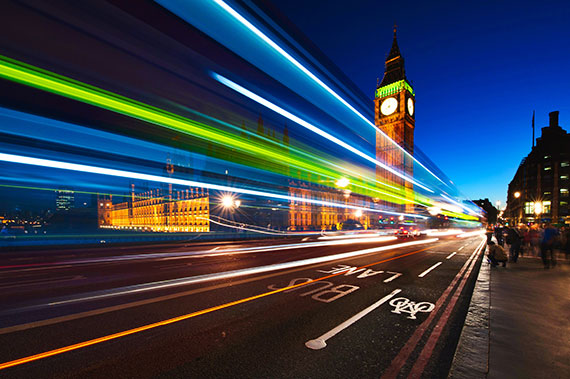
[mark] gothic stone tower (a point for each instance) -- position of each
(394, 115)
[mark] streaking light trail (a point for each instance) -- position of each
(110, 337)
(296, 63)
(312, 128)
(51, 82)
(161, 179)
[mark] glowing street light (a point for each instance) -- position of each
(358, 213)
(342, 182)
(537, 208)
(434, 211)
(227, 201)
(517, 195)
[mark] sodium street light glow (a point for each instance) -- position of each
(342, 182)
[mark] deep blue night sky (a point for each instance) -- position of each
(479, 70)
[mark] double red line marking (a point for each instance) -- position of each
(410, 346)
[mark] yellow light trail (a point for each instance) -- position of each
(96, 341)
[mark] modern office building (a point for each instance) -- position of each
(539, 189)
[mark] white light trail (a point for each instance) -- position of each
(244, 91)
(183, 182)
(235, 273)
(296, 63)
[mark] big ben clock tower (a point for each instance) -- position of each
(394, 104)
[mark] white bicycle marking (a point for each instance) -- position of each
(404, 305)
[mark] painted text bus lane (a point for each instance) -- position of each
(327, 291)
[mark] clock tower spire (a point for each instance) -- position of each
(394, 105)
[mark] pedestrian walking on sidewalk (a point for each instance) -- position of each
(489, 233)
(499, 234)
(515, 242)
(547, 246)
(496, 254)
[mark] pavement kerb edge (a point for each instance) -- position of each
(471, 359)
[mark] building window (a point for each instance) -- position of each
(563, 177)
(546, 206)
(547, 168)
(547, 193)
(563, 191)
(529, 208)
(547, 157)
(563, 203)
(564, 164)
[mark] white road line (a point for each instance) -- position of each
(395, 276)
(320, 342)
(215, 248)
(451, 255)
(429, 269)
(461, 248)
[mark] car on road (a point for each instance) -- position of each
(407, 232)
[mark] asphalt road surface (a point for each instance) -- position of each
(298, 308)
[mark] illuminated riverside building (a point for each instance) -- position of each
(304, 215)
(158, 211)
(539, 191)
(394, 105)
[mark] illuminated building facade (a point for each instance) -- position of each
(539, 191)
(394, 106)
(158, 211)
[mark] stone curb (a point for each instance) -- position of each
(471, 359)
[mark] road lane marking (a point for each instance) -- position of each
(215, 248)
(429, 269)
(320, 342)
(451, 255)
(395, 276)
(95, 341)
(400, 360)
(461, 248)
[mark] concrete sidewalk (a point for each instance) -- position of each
(518, 323)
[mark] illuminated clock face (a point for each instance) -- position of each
(389, 106)
(410, 106)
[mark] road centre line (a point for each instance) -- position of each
(320, 342)
(399, 361)
(461, 248)
(451, 255)
(95, 341)
(429, 269)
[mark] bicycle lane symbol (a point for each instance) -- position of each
(404, 305)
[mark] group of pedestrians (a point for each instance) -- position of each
(545, 240)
